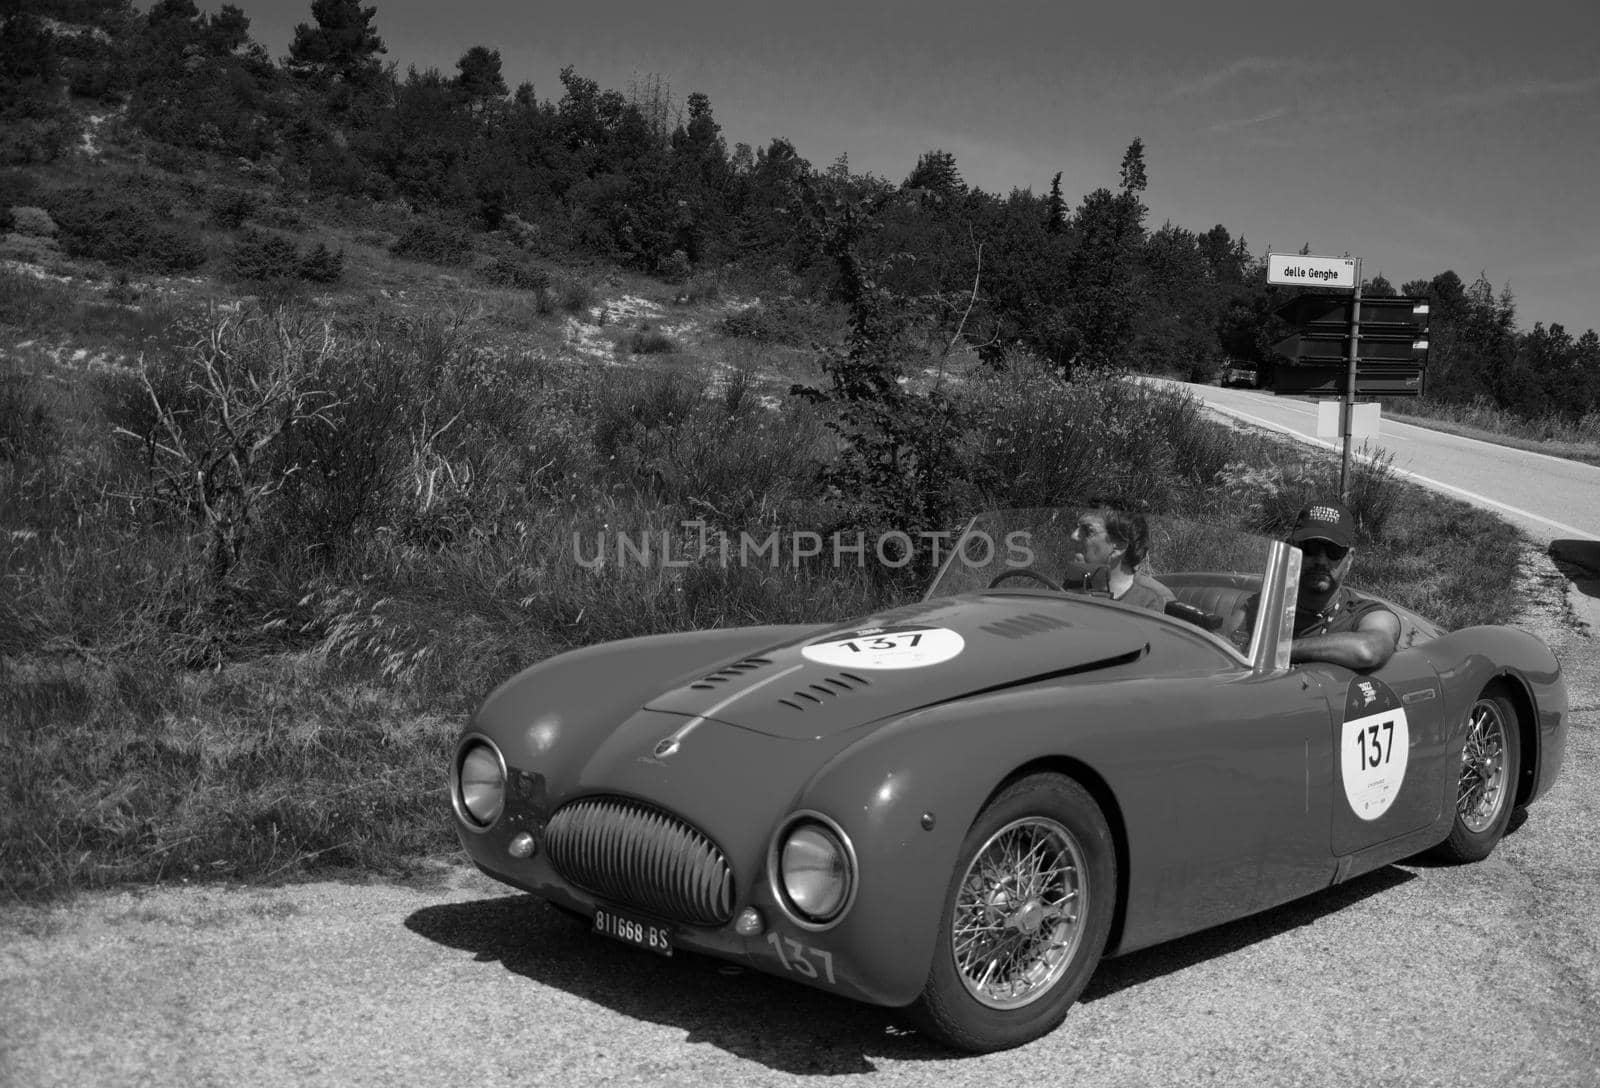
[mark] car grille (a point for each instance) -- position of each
(641, 857)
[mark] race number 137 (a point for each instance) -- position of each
(1375, 744)
(904, 640)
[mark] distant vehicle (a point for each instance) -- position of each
(1239, 372)
(966, 802)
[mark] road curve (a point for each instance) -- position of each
(1415, 975)
(1550, 498)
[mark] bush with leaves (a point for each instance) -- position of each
(788, 321)
(265, 256)
(676, 267)
(517, 274)
(231, 207)
(322, 265)
(434, 243)
(122, 232)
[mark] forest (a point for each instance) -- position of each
(646, 181)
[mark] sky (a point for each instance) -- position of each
(1416, 135)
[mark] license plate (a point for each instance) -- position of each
(647, 935)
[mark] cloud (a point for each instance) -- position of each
(1504, 94)
(1247, 122)
(1247, 66)
(1507, 93)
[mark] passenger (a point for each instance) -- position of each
(1331, 622)
(1120, 542)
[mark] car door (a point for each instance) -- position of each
(1388, 745)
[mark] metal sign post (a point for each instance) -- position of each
(1349, 414)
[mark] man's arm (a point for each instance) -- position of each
(1367, 647)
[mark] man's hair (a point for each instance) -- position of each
(1129, 530)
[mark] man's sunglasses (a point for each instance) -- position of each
(1333, 551)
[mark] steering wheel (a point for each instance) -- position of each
(1025, 572)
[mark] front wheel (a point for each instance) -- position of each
(1486, 788)
(1026, 917)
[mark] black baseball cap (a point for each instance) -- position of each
(1328, 521)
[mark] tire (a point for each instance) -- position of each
(1487, 785)
(998, 913)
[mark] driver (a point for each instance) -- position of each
(1331, 622)
(1119, 542)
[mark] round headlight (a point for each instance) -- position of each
(815, 869)
(483, 784)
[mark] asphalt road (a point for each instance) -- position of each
(1414, 975)
(1550, 498)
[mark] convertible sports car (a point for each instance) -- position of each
(961, 804)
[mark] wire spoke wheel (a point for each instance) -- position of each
(1481, 792)
(1018, 917)
(1486, 788)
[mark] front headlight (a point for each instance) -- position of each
(816, 871)
(480, 784)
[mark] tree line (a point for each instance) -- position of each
(643, 180)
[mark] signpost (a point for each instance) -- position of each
(1389, 362)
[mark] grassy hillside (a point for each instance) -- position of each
(272, 522)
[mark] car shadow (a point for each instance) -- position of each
(1579, 560)
(1172, 956)
(762, 1018)
(772, 1021)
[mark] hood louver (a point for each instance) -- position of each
(824, 691)
(1032, 623)
(727, 673)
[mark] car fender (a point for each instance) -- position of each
(906, 796)
(1470, 659)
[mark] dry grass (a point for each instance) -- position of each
(1554, 436)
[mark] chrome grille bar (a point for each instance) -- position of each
(640, 856)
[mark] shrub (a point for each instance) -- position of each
(649, 342)
(676, 268)
(17, 187)
(702, 287)
(34, 222)
(123, 233)
(264, 256)
(322, 265)
(434, 243)
(516, 274)
(783, 321)
(576, 297)
(231, 207)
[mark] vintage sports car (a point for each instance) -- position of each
(962, 804)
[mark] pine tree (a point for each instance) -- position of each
(480, 79)
(1055, 208)
(342, 46)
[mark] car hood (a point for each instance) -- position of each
(838, 679)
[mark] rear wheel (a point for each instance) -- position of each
(1487, 784)
(1025, 918)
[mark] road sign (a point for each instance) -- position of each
(1397, 315)
(1298, 270)
(1391, 350)
(1334, 347)
(1329, 379)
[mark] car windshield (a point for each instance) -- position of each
(1209, 568)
